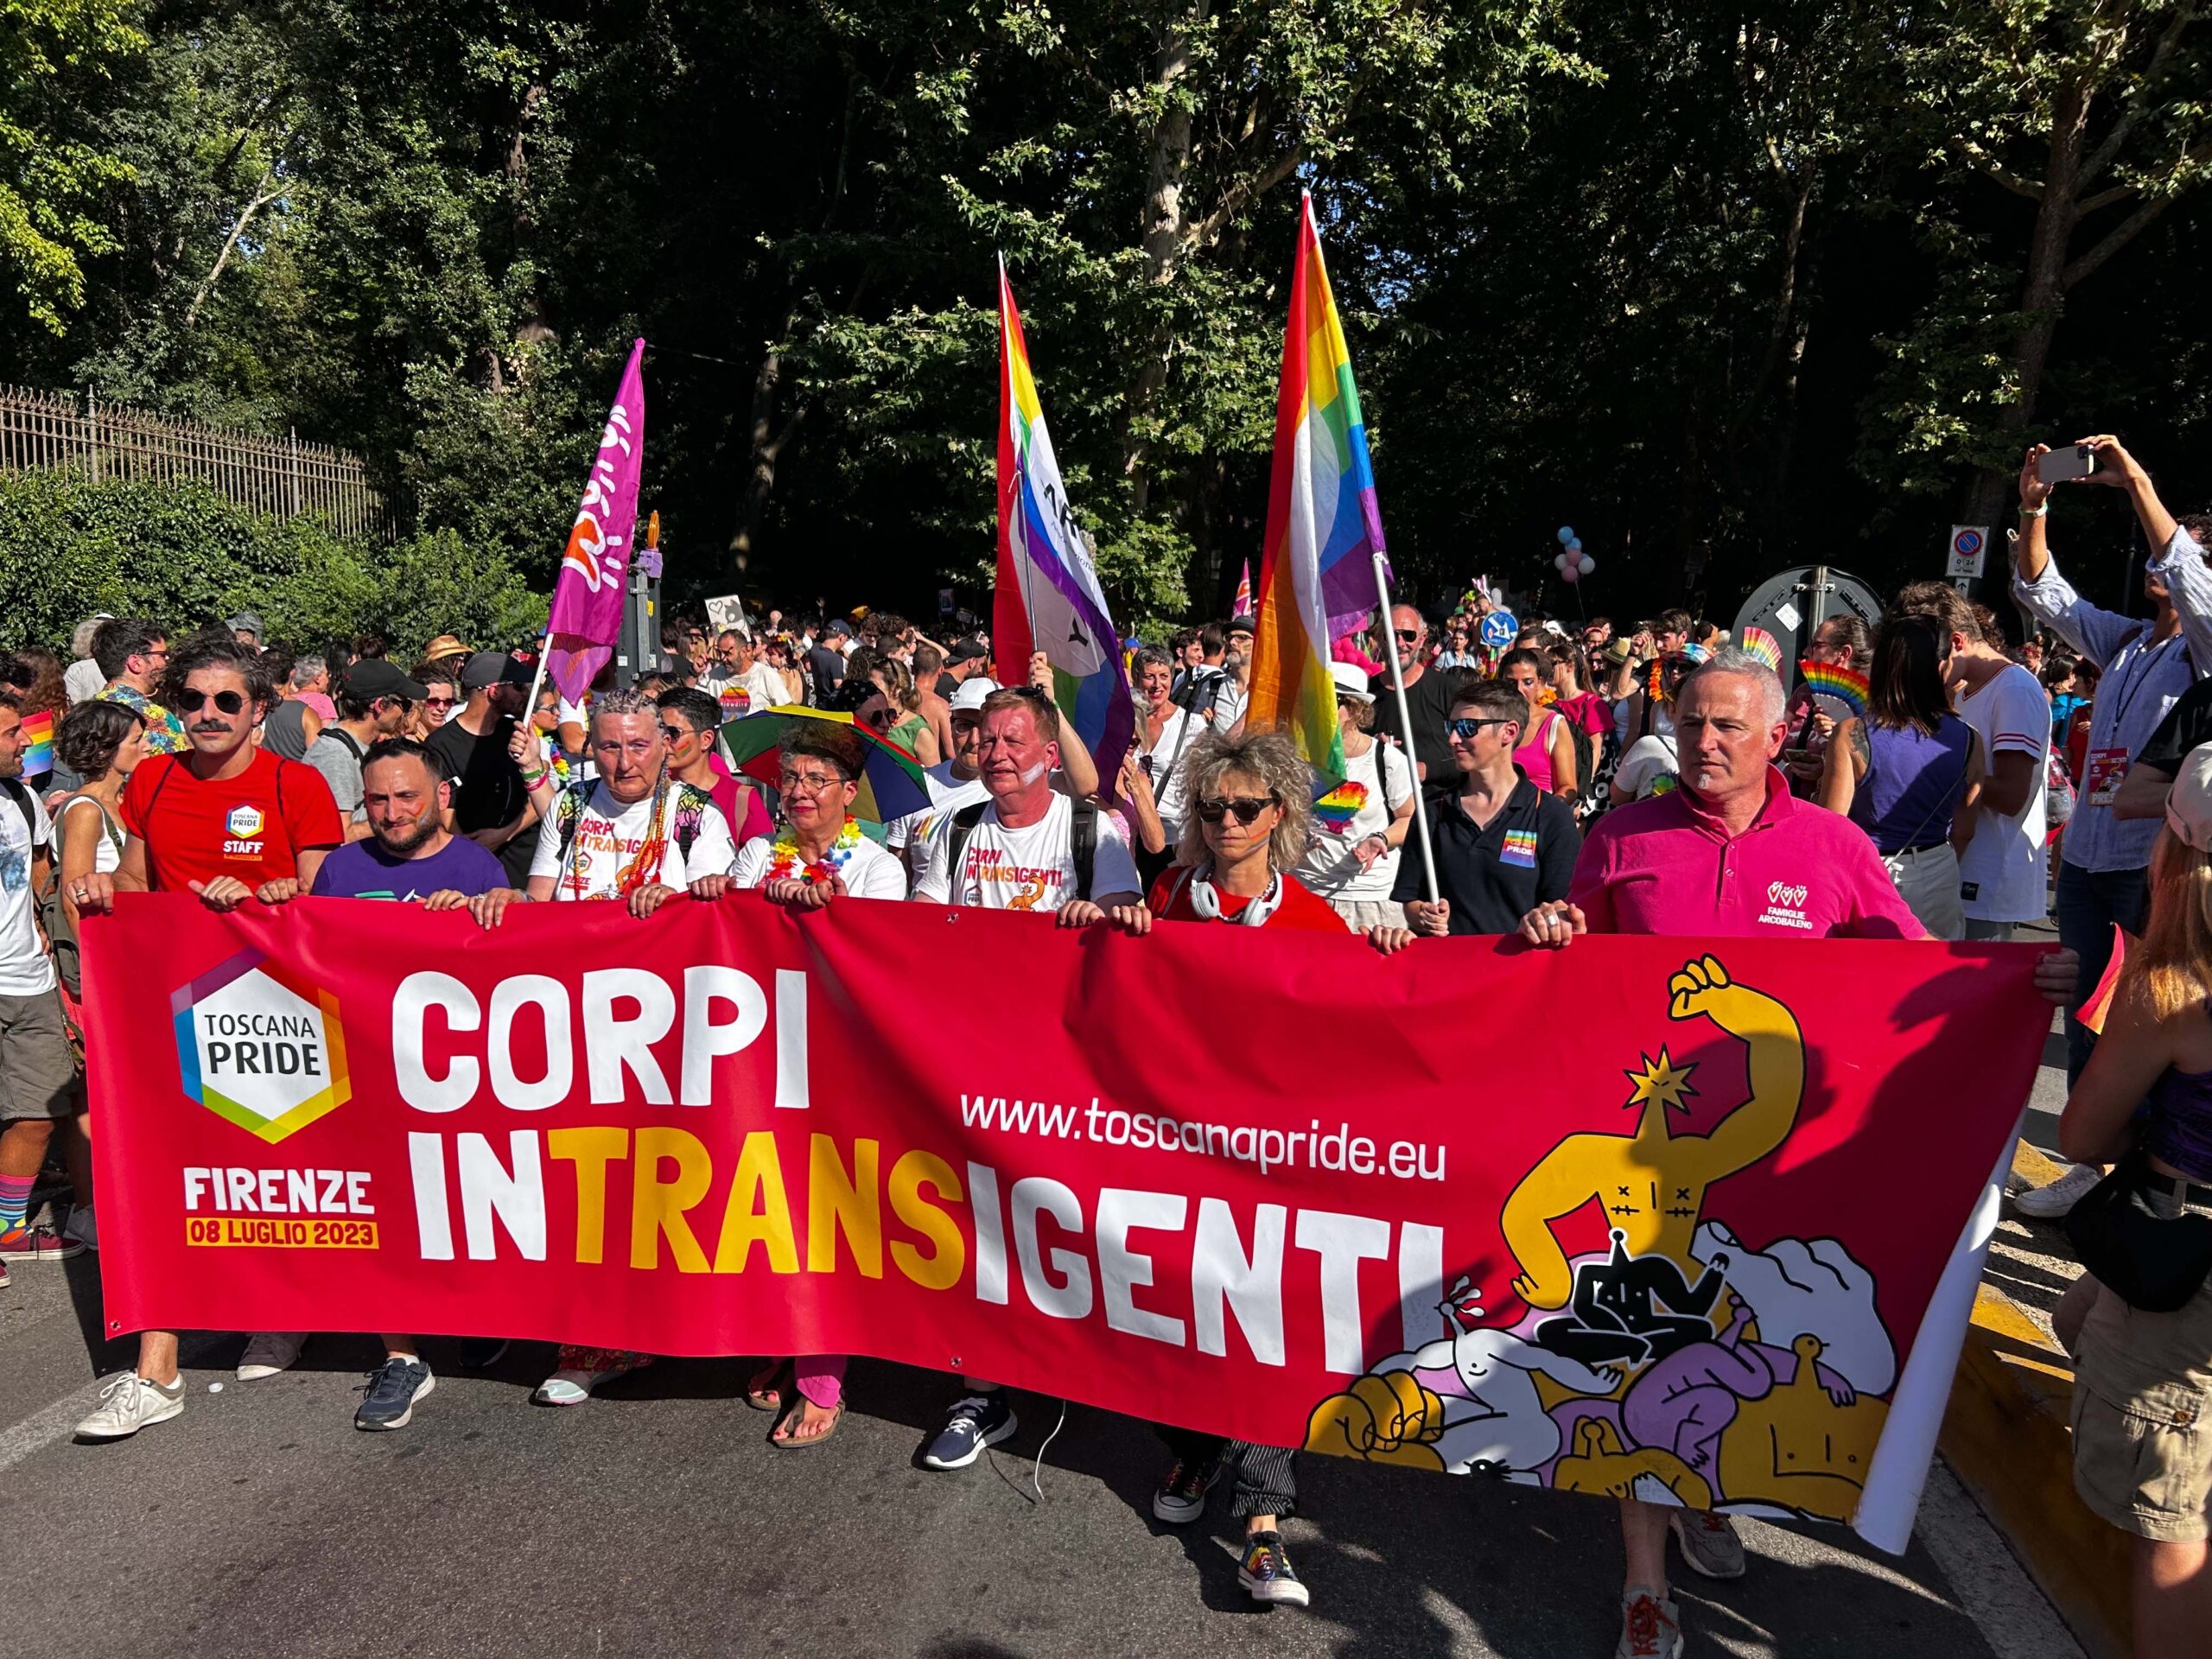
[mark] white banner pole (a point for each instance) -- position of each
(1405, 725)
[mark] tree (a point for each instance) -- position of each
(57, 58)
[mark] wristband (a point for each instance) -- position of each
(2036, 512)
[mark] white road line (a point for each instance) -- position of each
(1996, 1592)
(57, 1421)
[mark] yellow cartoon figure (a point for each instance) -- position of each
(1652, 1184)
(1807, 1446)
(1600, 1464)
(1385, 1417)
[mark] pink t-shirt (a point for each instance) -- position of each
(753, 820)
(1668, 865)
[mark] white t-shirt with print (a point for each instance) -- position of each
(2004, 874)
(1031, 869)
(25, 969)
(609, 836)
(1648, 761)
(868, 872)
(947, 794)
(1329, 868)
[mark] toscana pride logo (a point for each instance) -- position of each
(259, 1045)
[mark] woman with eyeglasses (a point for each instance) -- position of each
(1360, 826)
(819, 858)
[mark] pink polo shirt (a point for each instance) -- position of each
(1669, 865)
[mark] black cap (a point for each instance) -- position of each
(1240, 624)
(967, 650)
(372, 677)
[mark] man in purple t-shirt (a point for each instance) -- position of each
(409, 856)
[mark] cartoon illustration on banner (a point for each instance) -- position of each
(1679, 1364)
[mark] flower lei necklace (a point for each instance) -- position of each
(785, 865)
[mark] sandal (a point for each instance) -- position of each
(762, 1393)
(783, 1443)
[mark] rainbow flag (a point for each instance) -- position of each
(1317, 580)
(38, 744)
(1048, 595)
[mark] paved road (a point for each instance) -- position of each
(656, 1522)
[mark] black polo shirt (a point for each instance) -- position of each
(1493, 874)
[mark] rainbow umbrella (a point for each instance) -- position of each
(893, 782)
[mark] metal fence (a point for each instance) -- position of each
(283, 476)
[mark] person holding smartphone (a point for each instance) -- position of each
(2105, 857)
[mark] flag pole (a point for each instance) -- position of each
(1405, 725)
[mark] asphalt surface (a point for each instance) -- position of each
(657, 1521)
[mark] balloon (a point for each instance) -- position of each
(1570, 575)
(1559, 561)
(1574, 546)
(1565, 533)
(1586, 566)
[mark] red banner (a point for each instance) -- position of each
(1689, 1220)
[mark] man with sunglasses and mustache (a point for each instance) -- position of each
(225, 820)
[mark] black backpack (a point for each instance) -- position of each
(1083, 842)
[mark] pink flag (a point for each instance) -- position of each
(1243, 605)
(587, 596)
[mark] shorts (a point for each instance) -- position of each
(1364, 914)
(1979, 932)
(38, 1073)
(2142, 1397)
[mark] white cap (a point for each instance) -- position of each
(2188, 804)
(969, 697)
(1351, 682)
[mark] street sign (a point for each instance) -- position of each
(1498, 628)
(1969, 548)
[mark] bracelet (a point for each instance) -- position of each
(2036, 512)
(532, 780)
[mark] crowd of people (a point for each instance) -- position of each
(1575, 778)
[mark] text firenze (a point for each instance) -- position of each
(1165, 1267)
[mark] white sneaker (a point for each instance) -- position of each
(268, 1352)
(2049, 1203)
(128, 1403)
(81, 1226)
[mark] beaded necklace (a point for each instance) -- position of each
(785, 864)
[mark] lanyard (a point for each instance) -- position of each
(2145, 665)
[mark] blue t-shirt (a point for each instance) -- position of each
(362, 869)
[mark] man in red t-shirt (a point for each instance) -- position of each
(223, 820)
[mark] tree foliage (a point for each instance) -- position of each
(1726, 287)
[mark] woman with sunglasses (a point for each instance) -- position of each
(907, 727)
(820, 858)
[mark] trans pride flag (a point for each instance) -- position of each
(1048, 595)
(1317, 577)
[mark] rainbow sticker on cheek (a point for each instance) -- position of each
(1334, 811)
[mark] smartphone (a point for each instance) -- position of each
(2074, 460)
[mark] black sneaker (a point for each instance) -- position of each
(979, 1420)
(1181, 1497)
(388, 1401)
(1267, 1575)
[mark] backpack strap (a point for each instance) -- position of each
(1083, 839)
(21, 797)
(963, 825)
(341, 734)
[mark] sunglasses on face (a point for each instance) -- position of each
(1464, 729)
(439, 702)
(1408, 635)
(674, 733)
(1246, 809)
(192, 701)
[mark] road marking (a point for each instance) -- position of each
(58, 1421)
